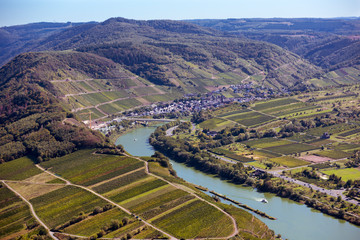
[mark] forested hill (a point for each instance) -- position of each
(172, 53)
(32, 120)
(23, 38)
(328, 43)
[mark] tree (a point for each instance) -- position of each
(115, 224)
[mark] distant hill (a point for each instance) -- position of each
(120, 64)
(23, 38)
(327, 43)
(182, 54)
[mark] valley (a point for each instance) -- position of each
(269, 104)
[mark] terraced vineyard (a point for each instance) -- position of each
(104, 97)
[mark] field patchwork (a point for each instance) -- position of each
(14, 214)
(18, 169)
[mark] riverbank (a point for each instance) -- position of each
(184, 152)
(292, 217)
(243, 205)
(115, 134)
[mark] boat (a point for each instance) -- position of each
(264, 200)
(135, 139)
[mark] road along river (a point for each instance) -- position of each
(294, 221)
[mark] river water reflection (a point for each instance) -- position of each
(294, 221)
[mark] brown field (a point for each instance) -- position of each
(29, 190)
(40, 178)
(315, 159)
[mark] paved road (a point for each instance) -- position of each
(276, 173)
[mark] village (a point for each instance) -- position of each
(191, 103)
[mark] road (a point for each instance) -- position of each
(236, 230)
(276, 173)
(32, 211)
(104, 198)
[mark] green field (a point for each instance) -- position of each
(348, 133)
(333, 129)
(195, 219)
(215, 124)
(274, 103)
(18, 169)
(291, 148)
(160, 98)
(60, 206)
(234, 112)
(83, 167)
(346, 146)
(116, 94)
(85, 114)
(135, 191)
(93, 225)
(266, 154)
(335, 154)
(111, 108)
(121, 181)
(289, 161)
(151, 205)
(250, 118)
(266, 142)
(345, 174)
(232, 155)
(14, 214)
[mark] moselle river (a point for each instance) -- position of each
(294, 221)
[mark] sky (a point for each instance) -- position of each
(15, 12)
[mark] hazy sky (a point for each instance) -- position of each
(13, 12)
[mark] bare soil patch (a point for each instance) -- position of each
(315, 159)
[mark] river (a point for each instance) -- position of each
(294, 221)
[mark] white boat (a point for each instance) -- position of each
(135, 139)
(264, 200)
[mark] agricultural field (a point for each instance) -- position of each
(195, 219)
(15, 217)
(18, 169)
(345, 173)
(216, 124)
(111, 108)
(291, 148)
(85, 114)
(333, 129)
(59, 206)
(113, 95)
(33, 190)
(334, 154)
(94, 224)
(289, 161)
(229, 110)
(231, 155)
(250, 119)
(134, 190)
(85, 168)
(274, 103)
(347, 147)
(266, 142)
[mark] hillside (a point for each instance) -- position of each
(180, 54)
(22, 38)
(32, 119)
(327, 43)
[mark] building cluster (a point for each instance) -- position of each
(192, 103)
